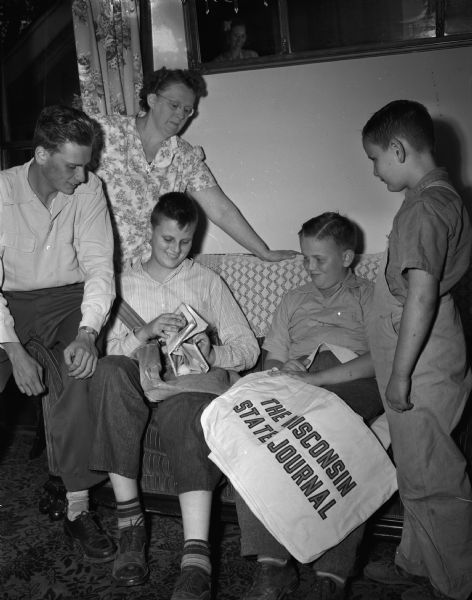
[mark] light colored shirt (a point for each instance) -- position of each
(39, 249)
(200, 288)
(133, 185)
(305, 319)
(430, 232)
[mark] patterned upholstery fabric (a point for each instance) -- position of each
(258, 287)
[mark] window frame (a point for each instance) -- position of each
(440, 41)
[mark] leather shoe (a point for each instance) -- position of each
(53, 499)
(193, 583)
(130, 566)
(329, 588)
(273, 582)
(388, 573)
(424, 592)
(87, 533)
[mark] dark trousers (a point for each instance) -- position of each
(363, 396)
(120, 415)
(52, 316)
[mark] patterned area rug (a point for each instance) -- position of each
(37, 562)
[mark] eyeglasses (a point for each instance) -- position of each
(187, 111)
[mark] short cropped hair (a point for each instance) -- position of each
(331, 225)
(403, 119)
(58, 124)
(163, 78)
(176, 206)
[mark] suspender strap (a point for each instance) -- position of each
(443, 184)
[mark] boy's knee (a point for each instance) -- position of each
(117, 373)
(117, 366)
(183, 411)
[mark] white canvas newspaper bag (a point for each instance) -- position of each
(304, 462)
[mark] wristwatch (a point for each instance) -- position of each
(89, 330)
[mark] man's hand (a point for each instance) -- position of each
(81, 356)
(27, 371)
(161, 327)
(397, 393)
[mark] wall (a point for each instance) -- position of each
(284, 143)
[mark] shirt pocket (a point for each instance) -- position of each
(18, 241)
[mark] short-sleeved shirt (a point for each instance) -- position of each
(306, 319)
(133, 186)
(430, 232)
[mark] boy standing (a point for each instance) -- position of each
(417, 344)
(328, 312)
(155, 288)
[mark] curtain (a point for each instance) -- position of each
(108, 55)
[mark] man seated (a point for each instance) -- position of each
(329, 310)
(155, 289)
(57, 286)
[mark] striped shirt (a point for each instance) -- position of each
(200, 288)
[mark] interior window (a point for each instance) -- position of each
(244, 34)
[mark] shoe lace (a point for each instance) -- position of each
(268, 577)
(326, 588)
(90, 525)
(191, 579)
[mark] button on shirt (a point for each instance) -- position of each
(39, 249)
(305, 319)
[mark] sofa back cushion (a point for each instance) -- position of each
(258, 286)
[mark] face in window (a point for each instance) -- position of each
(64, 169)
(171, 108)
(237, 37)
(325, 262)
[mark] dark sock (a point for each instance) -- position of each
(196, 554)
(129, 513)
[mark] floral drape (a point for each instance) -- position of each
(108, 55)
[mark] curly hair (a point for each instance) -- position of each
(163, 78)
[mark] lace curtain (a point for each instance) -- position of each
(108, 55)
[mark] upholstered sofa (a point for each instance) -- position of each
(258, 287)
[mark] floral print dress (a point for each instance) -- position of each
(133, 186)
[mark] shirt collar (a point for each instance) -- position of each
(166, 152)
(185, 265)
(350, 281)
(24, 193)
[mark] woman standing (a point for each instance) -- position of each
(144, 157)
